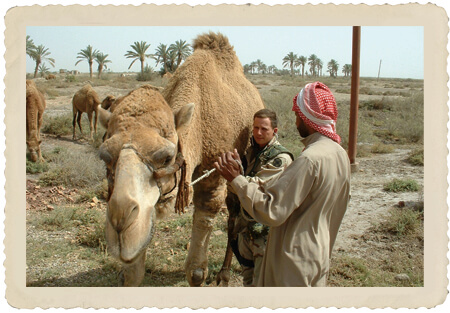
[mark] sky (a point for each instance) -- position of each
(400, 48)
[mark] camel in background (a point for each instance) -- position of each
(86, 100)
(35, 106)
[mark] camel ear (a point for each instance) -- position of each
(183, 117)
(104, 116)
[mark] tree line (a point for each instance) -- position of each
(170, 57)
(297, 64)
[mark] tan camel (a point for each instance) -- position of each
(148, 135)
(87, 100)
(50, 76)
(35, 106)
(167, 75)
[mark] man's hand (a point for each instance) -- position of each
(229, 165)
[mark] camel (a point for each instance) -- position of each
(35, 106)
(167, 75)
(87, 100)
(158, 142)
(50, 76)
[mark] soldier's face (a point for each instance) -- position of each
(263, 131)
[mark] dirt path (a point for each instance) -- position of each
(369, 203)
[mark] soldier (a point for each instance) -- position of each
(265, 159)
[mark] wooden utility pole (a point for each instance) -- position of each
(354, 98)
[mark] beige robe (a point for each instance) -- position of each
(304, 207)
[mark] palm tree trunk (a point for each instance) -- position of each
(142, 67)
(36, 69)
(90, 69)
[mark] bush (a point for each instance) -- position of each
(70, 79)
(148, 74)
(382, 148)
(36, 167)
(57, 125)
(416, 157)
(74, 169)
(403, 222)
(399, 185)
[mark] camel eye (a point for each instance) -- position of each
(163, 157)
(167, 161)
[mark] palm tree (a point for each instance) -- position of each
(87, 54)
(138, 54)
(39, 54)
(347, 70)
(101, 59)
(259, 65)
(302, 62)
(312, 62)
(246, 68)
(272, 69)
(333, 67)
(30, 46)
(162, 56)
(181, 49)
(43, 70)
(253, 66)
(319, 66)
(289, 61)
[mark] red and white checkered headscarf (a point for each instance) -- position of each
(316, 106)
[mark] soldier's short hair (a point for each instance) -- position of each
(267, 113)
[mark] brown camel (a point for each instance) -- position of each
(167, 75)
(50, 76)
(156, 144)
(35, 106)
(87, 100)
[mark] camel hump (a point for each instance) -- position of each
(213, 41)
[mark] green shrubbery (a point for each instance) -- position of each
(401, 185)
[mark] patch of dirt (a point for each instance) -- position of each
(369, 203)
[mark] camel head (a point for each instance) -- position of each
(141, 153)
(108, 101)
(34, 149)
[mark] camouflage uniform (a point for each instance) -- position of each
(260, 167)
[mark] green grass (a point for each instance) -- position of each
(401, 185)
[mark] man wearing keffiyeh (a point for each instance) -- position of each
(303, 206)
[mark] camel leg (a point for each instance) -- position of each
(233, 206)
(207, 202)
(39, 125)
(91, 125)
(133, 274)
(79, 122)
(95, 121)
(75, 112)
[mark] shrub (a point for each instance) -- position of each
(382, 148)
(147, 75)
(400, 185)
(36, 167)
(70, 79)
(74, 169)
(416, 157)
(402, 222)
(57, 125)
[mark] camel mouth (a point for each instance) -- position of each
(128, 243)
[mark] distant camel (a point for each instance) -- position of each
(50, 76)
(87, 100)
(168, 75)
(35, 106)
